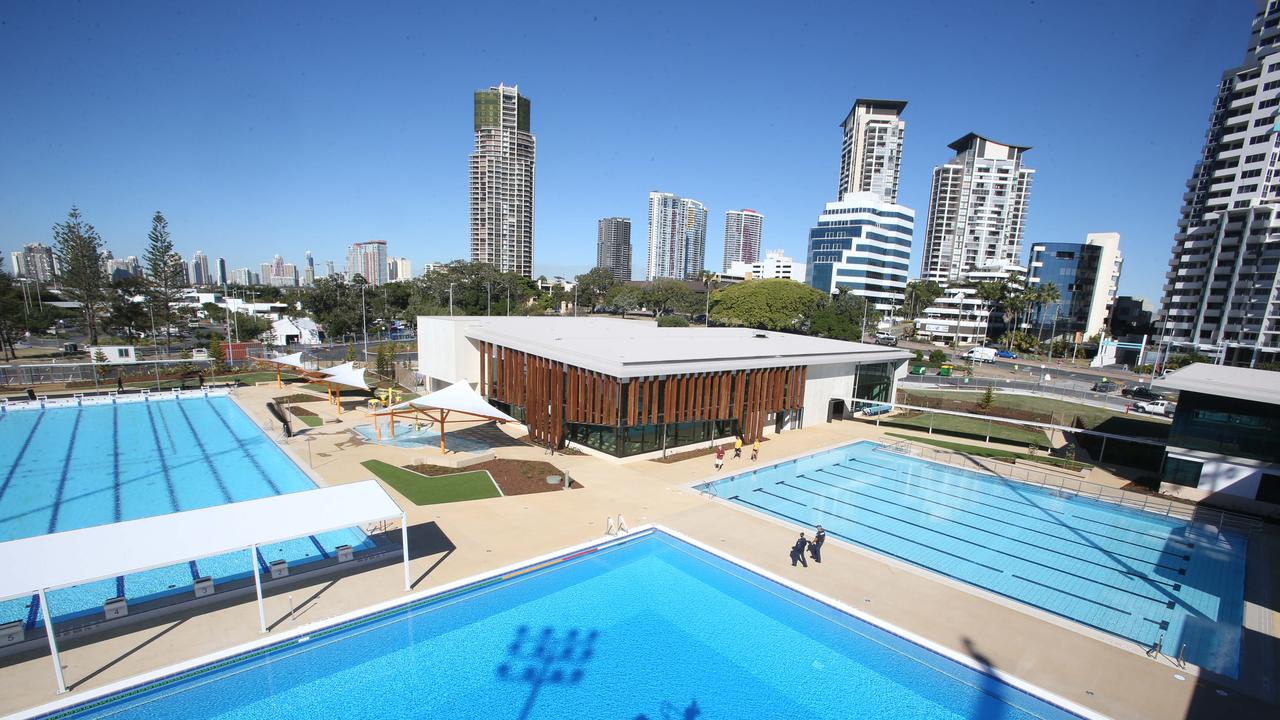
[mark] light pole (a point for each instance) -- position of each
(364, 322)
(450, 299)
(508, 298)
(575, 300)
(488, 293)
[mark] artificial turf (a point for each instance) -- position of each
(425, 490)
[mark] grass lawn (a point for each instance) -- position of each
(423, 490)
(969, 427)
(981, 451)
(308, 417)
(1064, 410)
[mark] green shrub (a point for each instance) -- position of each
(673, 321)
(937, 357)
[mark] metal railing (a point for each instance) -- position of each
(1066, 483)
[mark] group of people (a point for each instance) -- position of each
(737, 452)
(814, 547)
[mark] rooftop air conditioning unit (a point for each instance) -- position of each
(279, 569)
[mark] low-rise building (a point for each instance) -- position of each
(1222, 444)
(295, 331)
(627, 388)
(960, 317)
(774, 265)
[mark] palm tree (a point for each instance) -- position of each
(996, 294)
(1046, 294)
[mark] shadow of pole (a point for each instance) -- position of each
(990, 704)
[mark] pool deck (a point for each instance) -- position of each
(458, 540)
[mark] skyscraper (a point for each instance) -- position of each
(677, 237)
(368, 259)
(862, 244)
(613, 246)
(35, 261)
(328, 269)
(309, 270)
(399, 269)
(1220, 290)
(742, 230)
(199, 268)
(502, 181)
(220, 275)
(871, 158)
(977, 209)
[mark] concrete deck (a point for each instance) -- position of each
(456, 540)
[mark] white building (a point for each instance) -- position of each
(871, 157)
(597, 383)
(775, 265)
(742, 232)
(368, 260)
(502, 181)
(294, 331)
(960, 317)
(863, 245)
(199, 272)
(677, 237)
(977, 209)
(399, 269)
(244, 277)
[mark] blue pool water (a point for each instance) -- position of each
(68, 468)
(1129, 573)
(650, 628)
(422, 437)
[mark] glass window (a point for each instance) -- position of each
(1181, 472)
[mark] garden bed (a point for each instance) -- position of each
(515, 477)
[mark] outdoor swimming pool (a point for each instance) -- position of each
(1129, 573)
(651, 627)
(68, 468)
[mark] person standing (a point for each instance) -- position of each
(737, 448)
(815, 547)
(797, 552)
(719, 458)
(755, 450)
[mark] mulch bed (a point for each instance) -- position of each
(728, 452)
(515, 477)
(298, 397)
(302, 412)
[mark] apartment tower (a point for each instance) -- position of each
(742, 230)
(677, 237)
(1220, 290)
(871, 158)
(613, 247)
(369, 260)
(977, 209)
(502, 181)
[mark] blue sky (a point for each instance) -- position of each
(276, 127)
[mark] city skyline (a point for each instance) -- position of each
(294, 171)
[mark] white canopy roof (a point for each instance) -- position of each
(294, 360)
(93, 553)
(458, 397)
(346, 374)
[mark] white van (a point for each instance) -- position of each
(981, 354)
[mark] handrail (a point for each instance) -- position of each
(1192, 514)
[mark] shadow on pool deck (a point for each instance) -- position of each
(546, 658)
(991, 703)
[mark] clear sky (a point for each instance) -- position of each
(263, 128)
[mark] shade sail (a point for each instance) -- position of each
(345, 374)
(79, 556)
(294, 360)
(458, 397)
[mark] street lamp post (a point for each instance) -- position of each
(488, 293)
(450, 299)
(364, 322)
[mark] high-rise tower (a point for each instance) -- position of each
(742, 230)
(871, 158)
(677, 237)
(977, 209)
(1220, 291)
(613, 247)
(502, 181)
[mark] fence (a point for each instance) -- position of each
(1073, 484)
(934, 382)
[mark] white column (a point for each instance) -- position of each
(53, 643)
(257, 585)
(404, 546)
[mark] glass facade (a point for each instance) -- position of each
(1074, 269)
(873, 381)
(1181, 472)
(1226, 425)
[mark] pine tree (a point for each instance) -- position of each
(79, 251)
(165, 274)
(217, 354)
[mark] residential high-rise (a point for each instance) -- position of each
(309, 270)
(220, 273)
(244, 276)
(35, 261)
(399, 269)
(977, 209)
(279, 273)
(863, 245)
(368, 259)
(871, 158)
(613, 246)
(677, 237)
(742, 230)
(502, 181)
(200, 269)
(1220, 291)
(328, 269)
(1087, 276)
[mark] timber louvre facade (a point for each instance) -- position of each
(562, 402)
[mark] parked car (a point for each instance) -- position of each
(1141, 392)
(980, 354)
(1007, 354)
(886, 338)
(1105, 386)
(1155, 407)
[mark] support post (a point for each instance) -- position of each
(443, 415)
(404, 546)
(53, 642)
(1102, 452)
(279, 382)
(257, 586)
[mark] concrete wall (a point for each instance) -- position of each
(1218, 476)
(822, 383)
(445, 355)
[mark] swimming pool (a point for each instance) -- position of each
(1126, 572)
(649, 627)
(68, 468)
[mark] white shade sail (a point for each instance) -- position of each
(294, 360)
(345, 374)
(458, 397)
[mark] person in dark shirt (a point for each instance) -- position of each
(797, 552)
(815, 547)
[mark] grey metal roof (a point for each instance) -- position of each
(639, 348)
(1233, 382)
